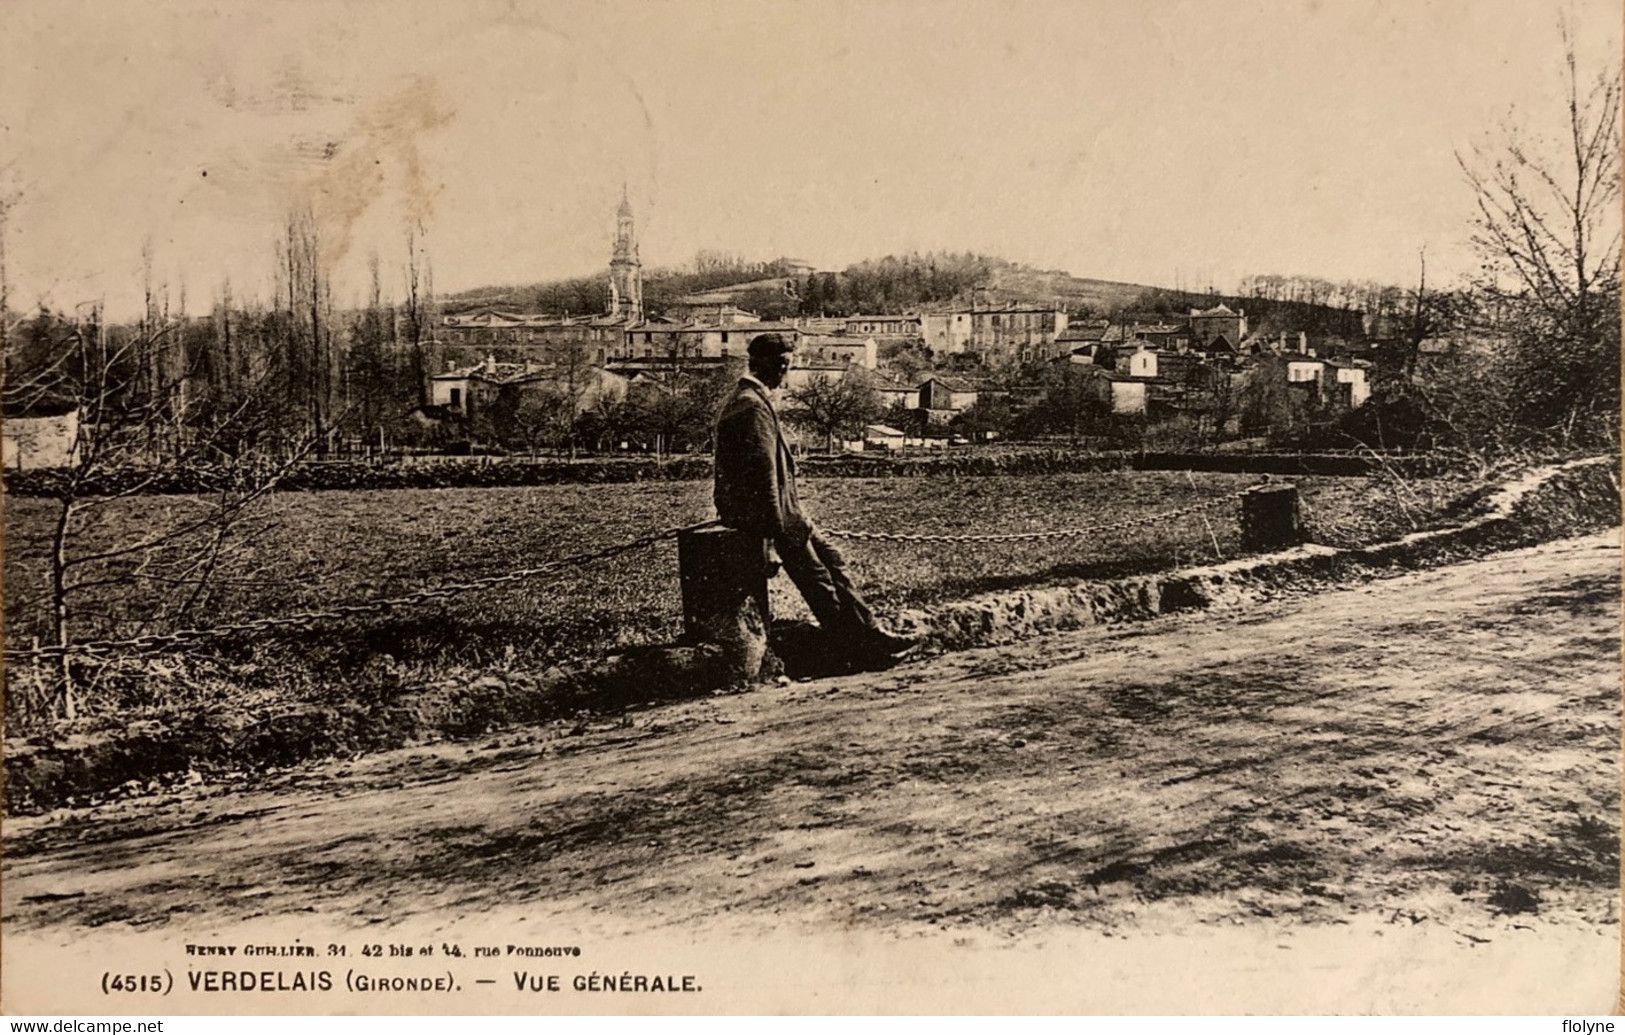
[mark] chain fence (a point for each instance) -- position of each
(309, 619)
(109, 649)
(1045, 536)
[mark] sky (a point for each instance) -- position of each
(1166, 142)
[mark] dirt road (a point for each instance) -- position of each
(1420, 772)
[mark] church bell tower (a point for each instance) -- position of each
(625, 271)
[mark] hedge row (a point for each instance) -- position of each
(508, 471)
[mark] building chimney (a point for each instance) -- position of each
(1303, 343)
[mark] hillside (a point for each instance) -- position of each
(1023, 283)
(890, 284)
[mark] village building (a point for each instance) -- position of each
(538, 337)
(887, 330)
(1163, 335)
(712, 339)
(1172, 365)
(643, 371)
(803, 372)
(883, 436)
(1140, 378)
(1219, 349)
(847, 349)
(492, 326)
(1208, 325)
(1346, 384)
(1351, 383)
(649, 338)
(818, 324)
(948, 394)
(42, 433)
(468, 392)
(727, 339)
(1082, 337)
(543, 337)
(484, 388)
(1123, 393)
(894, 393)
(625, 269)
(946, 332)
(710, 312)
(1301, 367)
(1142, 362)
(1016, 333)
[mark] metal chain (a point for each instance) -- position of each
(306, 619)
(1022, 537)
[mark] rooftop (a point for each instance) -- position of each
(841, 340)
(496, 373)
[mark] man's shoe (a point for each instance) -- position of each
(889, 645)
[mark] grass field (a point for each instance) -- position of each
(320, 549)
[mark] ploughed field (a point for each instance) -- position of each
(309, 551)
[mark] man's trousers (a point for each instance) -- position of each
(819, 572)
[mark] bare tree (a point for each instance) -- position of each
(574, 375)
(1548, 229)
(109, 571)
(367, 366)
(310, 356)
(609, 419)
(830, 406)
(544, 415)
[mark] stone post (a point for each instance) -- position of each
(1269, 519)
(724, 582)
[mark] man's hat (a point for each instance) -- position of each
(770, 344)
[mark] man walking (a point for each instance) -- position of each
(756, 493)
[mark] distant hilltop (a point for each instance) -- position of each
(788, 287)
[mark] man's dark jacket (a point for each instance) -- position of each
(755, 473)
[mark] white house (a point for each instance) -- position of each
(880, 436)
(40, 439)
(1128, 396)
(1359, 387)
(1301, 367)
(1142, 362)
